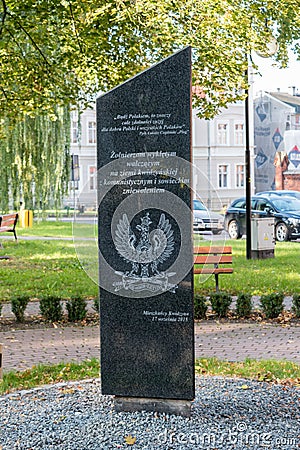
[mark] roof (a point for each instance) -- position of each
(292, 100)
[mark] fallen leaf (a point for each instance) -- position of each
(67, 390)
(130, 440)
(60, 419)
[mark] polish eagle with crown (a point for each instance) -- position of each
(145, 250)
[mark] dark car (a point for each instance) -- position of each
(284, 192)
(285, 210)
(205, 220)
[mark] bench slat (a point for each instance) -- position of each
(212, 270)
(212, 250)
(213, 259)
(212, 255)
(8, 223)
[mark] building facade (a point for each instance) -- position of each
(219, 172)
(219, 156)
(83, 187)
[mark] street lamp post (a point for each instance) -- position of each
(271, 49)
(248, 173)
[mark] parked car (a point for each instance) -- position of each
(284, 192)
(285, 210)
(205, 220)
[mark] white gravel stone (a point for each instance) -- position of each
(228, 414)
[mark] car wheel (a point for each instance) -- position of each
(281, 232)
(233, 230)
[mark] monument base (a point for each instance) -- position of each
(262, 254)
(162, 405)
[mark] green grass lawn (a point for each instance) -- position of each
(257, 277)
(283, 372)
(55, 229)
(43, 267)
(60, 267)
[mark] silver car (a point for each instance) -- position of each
(205, 220)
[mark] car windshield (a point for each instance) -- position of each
(287, 204)
(198, 206)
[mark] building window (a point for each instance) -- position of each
(223, 176)
(223, 133)
(92, 132)
(74, 132)
(238, 134)
(75, 168)
(92, 178)
(240, 175)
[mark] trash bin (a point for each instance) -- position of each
(262, 237)
(26, 218)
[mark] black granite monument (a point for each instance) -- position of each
(145, 234)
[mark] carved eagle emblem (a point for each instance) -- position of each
(145, 249)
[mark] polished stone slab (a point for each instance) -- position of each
(145, 239)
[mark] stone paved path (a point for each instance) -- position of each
(233, 342)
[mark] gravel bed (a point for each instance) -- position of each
(227, 414)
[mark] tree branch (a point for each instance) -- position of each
(4, 16)
(4, 93)
(33, 42)
(75, 29)
(17, 44)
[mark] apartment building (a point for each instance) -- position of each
(218, 157)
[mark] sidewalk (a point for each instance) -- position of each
(228, 341)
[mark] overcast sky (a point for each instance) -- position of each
(273, 78)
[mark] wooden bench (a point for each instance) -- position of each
(211, 260)
(8, 223)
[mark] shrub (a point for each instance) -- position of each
(243, 305)
(296, 304)
(96, 305)
(220, 302)
(51, 308)
(272, 304)
(18, 306)
(200, 306)
(76, 308)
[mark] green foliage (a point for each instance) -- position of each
(54, 54)
(18, 306)
(60, 52)
(220, 303)
(76, 308)
(96, 305)
(51, 308)
(296, 305)
(272, 304)
(243, 305)
(35, 160)
(200, 306)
